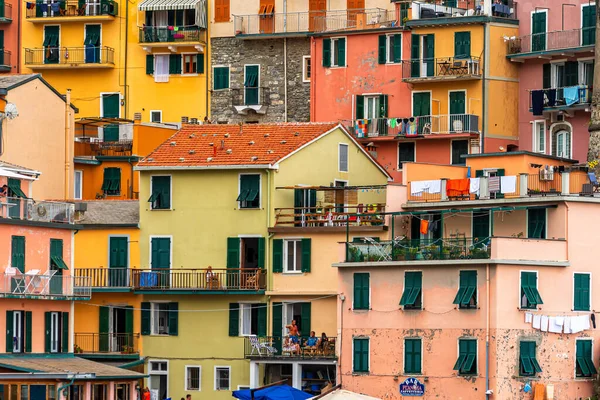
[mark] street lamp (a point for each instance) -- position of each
(563, 13)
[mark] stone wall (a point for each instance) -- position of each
(269, 54)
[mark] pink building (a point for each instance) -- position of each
(556, 56)
(474, 293)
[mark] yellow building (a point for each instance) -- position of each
(120, 58)
(209, 293)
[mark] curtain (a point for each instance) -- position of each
(246, 318)
(161, 23)
(161, 68)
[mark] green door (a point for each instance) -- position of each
(422, 108)
(251, 85)
(56, 251)
(161, 260)
(588, 25)
(110, 105)
(415, 55)
(457, 118)
(429, 53)
(481, 227)
(110, 133)
(117, 263)
(538, 31)
(51, 43)
(92, 43)
(103, 329)
(459, 148)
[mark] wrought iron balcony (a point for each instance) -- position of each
(70, 10)
(442, 69)
(93, 343)
(572, 40)
(106, 278)
(70, 57)
(34, 284)
(199, 280)
(424, 125)
(265, 347)
(171, 35)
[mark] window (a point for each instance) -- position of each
(539, 136)
(412, 355)
(75, 392)
(252, 85)
(343, 157)
(249, 318)
(334, 52)
(122, 391)
(111, 184)
(293, 255)
(221, 10)
(18, 253)
(538, 30)
(222, 375)
(100, 391)
(360, 355)
(305, 68)
(467, 290)
(164, 318)
(536, 223)
(371, 107)
(467, 357)
(588, 24)
(584, 364)
(406, 153)
(586, 73)
(462, 44)
(562, 144)
(530, 297)
(57, 332)
(192, 377)
(56, 260)
(16, 331)
(159, 377)
(160, 199)
(156, 366)
(78, 185)
(458, 149)
(156, 116)
(581, 291)
(390, 49)
(361, 291)
(220, 78)
(411, 297)
(190, 63)
(249, 191)
(528, 364)
(162, 63)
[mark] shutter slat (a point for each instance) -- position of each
(173, 319)
(277, 255)
(145, 318)
(234, 319)
(306, 255)
(382, 49)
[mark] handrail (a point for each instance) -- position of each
(553, 40)
(201, 279)
(54, 55)
(442, 67)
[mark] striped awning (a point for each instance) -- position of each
(160, 5)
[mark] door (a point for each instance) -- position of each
(305, 202)
(161, 261)
(266, 15)
(340, 197)
(354, 8)
(588, 25)
(481, 227)
(422, 109)
(51, 44)
(251, 83)
(56, 250)
(117, 263)
(316, 15)
(103, 329)
(457, 109)
(459, 148)
(538, 31)
(111, 106)
(92, 43)
(428, 64)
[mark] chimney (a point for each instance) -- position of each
(194, 121)
(222, 144)
(184, 120)
(137, 117)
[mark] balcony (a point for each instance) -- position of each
(102, 279)
(71, 11)
(274, 347)
(328, 216)
(37, 211)
(256, 99)
(98, 344)
(438, 12)
(181, 280)
(6, 13)
(548, 43)
(46, 286)
(70, 57)
(5, 61)
(301, 23)
(425, 126)
(441, 69)
(153, 36)
(93, 147)
(556, 99)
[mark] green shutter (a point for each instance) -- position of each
(341, 52)
(383, 106)
(382, 49)
(103, 328)
(360, 106)
(361, 291)
(175, 64)
(546, 73)
(111, 105)
(145, 318)
(397, 43)
(582, 292)
(361, 355)
(47, 328)
(584, 358)
(430, 47)
(412, 356)
(412, 289)
(529, 288)
(467, 356)
(327, 52)
(538, 31)
(261, 325)
(65, 333)
(305, 319)
(277, 255)
(306, 255)
(261, 252)
(571, 73)
(277, 327)
(28, 331)
(221, 78)
(467, 287)
(415, 50)
(161, 191)
(161, 253)
(200, 63)
(129, 321)
(233, 252)
(536, 223)
(588, 25)
(462, 44)
(173, 319)
(9, 331)
(234, 319)
(149, 64)
(18, 253)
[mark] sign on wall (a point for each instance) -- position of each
(412, 387)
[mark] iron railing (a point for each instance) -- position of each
(70, 8)
(124, 343)
(201, 279)
(47, 285)
(39, 211)
(442, 68)
(555, 40)
(571, 96)
(278, 347)
(424, 125)
(96, 147)
(428, 9)
(71, 56)
(159, 34)
(6, 11)
(102, 277)
(304, 217)
(5, 58)
(251, 96)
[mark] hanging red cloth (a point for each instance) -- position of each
(424, 226)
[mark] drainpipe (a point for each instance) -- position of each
(132, 179)
(285, 90)
(67, 142)
(19, 44)
(65, 387)
(487, 331)
(483, 87)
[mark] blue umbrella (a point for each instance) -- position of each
(279, 392)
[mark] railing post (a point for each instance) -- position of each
(484, 188)
(523, 185)
(566, 180)
(443, 189)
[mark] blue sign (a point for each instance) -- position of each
(412, 387)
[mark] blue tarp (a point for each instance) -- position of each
(281, 392)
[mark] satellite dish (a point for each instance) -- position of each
(11, 111)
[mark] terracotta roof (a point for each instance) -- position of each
(218, 145)
(65, 365)
(111, 212)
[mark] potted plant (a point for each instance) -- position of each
(478, 254)
(127, 350)
(77, 350)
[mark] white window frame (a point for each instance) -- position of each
(591, 286)
(155, 69)
(399, 166)
(537, 279)
(163, 209)
(186, 386)
(334, 40)
(18, 318)
(286, 268)
(216, 377)
(476, 282)
(154, 311)
(554, 64)
(404, 355)
(183, 55)
(306, 68)
(151, 372)
(259, 192)
(160, 115)
(362, 337)
(243, 387)
(340, 145)
(367, 112)
(54, 332)
(476, 354)
(245, 307)
(388, 43)
(566, 136)
(257, 83)
(582, 63)
(535, 136)
(78, 173)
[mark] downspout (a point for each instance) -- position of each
(567, 225)
(483, 87)
(67, 142)
(132, 178)
(487, 331)
(285, 89)
(125, 88)
(19, 42)
(65, 387)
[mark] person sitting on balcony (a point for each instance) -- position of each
(290, 347)
(312, 342)
(293, 332)
(212, 280)
(323, 343)
(4, 191)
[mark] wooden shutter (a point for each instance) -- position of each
(103, 328)
(9, 331)
(28, 331)
(233, 252)
(582, 292)
(327, 52)
(175, 64)
(129, 321)
(412, 356)
(173, 319)
(47, 329)
(18, 253)
(430, 43)
(261, 328)
(277, 327)
(341, 52)
(383, 106)
(382, 49)
(200, 63)
(305, 319)
(261, 252)
(145, 318)
(361, 291)
(571, 73)
(306, 255)
(65, 333)
(397, 48)
(415, 50)
(277, 255)
(546, 73)
(234, 319)
(149, 64)
(360, 106)
(221, 10)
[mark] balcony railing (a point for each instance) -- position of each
(70, 8)
(562, 97)
(425, 125)
(96, 147)
(431, 9)
(38, 211)
(70, 56)
(311, 21)
(6, 12)
(555, 40)
(91, 343)
(102, 277)
(46, 285)
(5, 60)
(278, 347)
(250, 96)
(443, 68)
(305, 217)
(419, 249)
(237, 279)
(164, 34)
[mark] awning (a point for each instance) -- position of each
(11, 174)
(158, 5)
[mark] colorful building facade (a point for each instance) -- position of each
(10, 53)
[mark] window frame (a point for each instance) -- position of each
(216, 377)
(535, 135)
(413, 307)
(102, 99)
(114, 193)
(545, 235)
(55, 332)
(297, 253)
(19, 325)
(306, 67)
(334, 53)
(158, 372)
(76, 173)
(476, 361)
(159, 113)
(368, 370)
(154, 308)
(186, 373)
(589, 289)
(194, 57)
(535, 366)
(214, 68)
(567, 138)
(475, 293)
(353, 297)
(170, 194)
(521, 289)
(389, 41)
(246, 307)
(582, 63)
(239, 203)
(412, 338)
(583, 377)
(340, 145)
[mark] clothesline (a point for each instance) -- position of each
(465, 186)
(558, 324)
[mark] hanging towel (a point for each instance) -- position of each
(578, 323)
(567, 325)
(433, 226)
(55, 7)
(508, 184)
(544, 323)
(586, 322)
(537, 102)
(539, 392)
(30, 6)
(551, 97)
(494, 184)
(560, 321)
(412, 128)
(537, 321)
(392, 122)
(457, 187)
(553, 326)
(424, 226)
(44, 7)
(528, 317)
(571, 95)
(474, 185)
